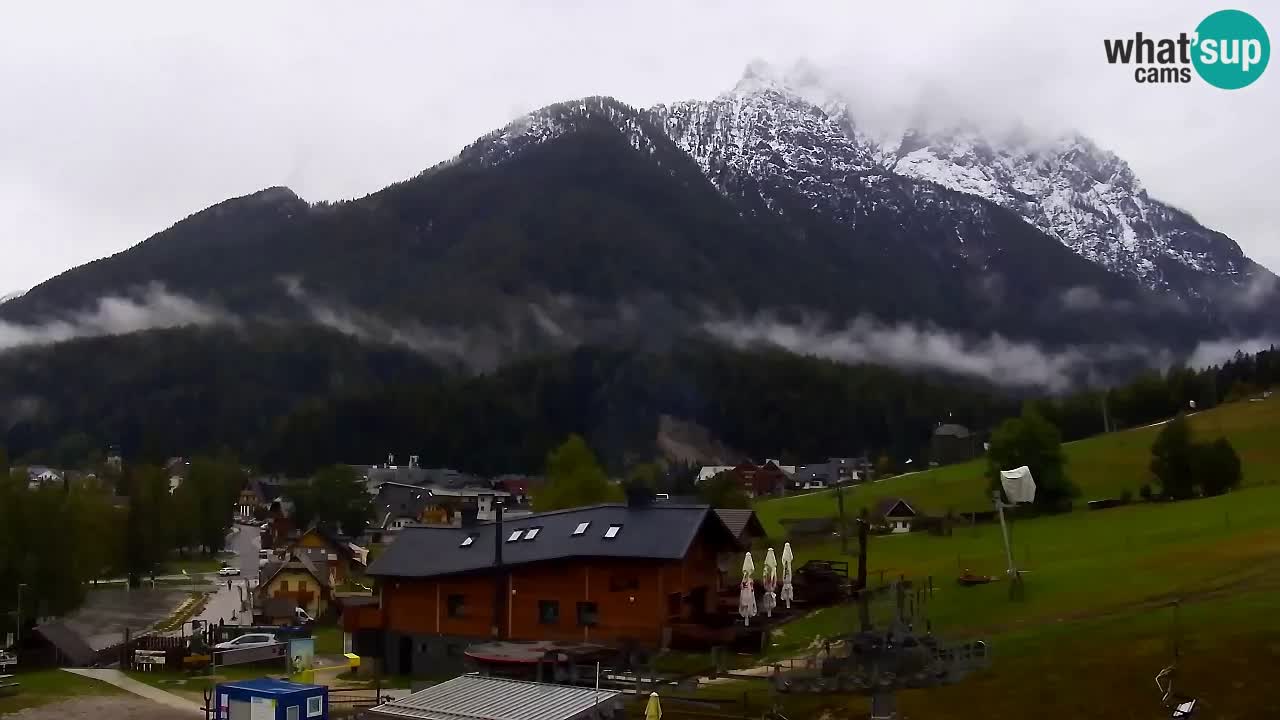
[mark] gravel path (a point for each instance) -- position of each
(99, 708)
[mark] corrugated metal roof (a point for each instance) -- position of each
(661, 531)
(472, 697)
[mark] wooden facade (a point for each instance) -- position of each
(761, 480)
(611, 575)
(588, 600)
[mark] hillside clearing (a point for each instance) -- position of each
(1103, 466)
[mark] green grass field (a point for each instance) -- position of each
(1103, 467)
(1079, 565)
(1094, 627)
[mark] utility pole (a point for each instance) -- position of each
(844, 534)
(18, 615)
(1106, 420)
(1015, 577)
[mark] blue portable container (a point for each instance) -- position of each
(264, 699)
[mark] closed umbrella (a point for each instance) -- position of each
(747, 593)
(769, 578)
(788, 593)
(653, 711)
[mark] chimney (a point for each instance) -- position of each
(500, 598)
(467, 516)
(638, 494)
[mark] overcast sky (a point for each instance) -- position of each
(120, 118)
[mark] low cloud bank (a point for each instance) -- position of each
(115, 315)
(994, 358)
(564, 323)
(1216, 352)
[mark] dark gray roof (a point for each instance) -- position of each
(472, 697)
(813, 472)
(660, 531)
(310, 560)
(741, 521)
(68, 642)
(953, 430)
(887, 507)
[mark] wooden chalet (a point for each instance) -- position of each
(609, 574)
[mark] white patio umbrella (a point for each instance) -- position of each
(769, 578)
(747, 594)
(788, 592)
(653, 711)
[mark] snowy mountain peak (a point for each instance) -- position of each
(554, 121)
(1087, 198)
(797, 124)
(802, 80)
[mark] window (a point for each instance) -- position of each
(582, 527)
(623, 583)
(466, 541)
(514, 536)
(548, 612)
(612, 532)
(457, 605)
(588, 614)
(531, 533)
(292, 713)
(315, 706)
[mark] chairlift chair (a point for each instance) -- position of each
(1180, 706)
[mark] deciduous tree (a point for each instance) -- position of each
(1172, 458)
(1033, 441)
(575, 478)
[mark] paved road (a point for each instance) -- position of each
(233, 592)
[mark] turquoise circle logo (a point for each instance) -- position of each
(1232, 49)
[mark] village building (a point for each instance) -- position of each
(609, 574)
(894, 515)
(952, 443)
(306, 579)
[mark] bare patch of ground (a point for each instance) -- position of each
(122, 707)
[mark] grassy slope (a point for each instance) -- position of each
(1102, 466)
(1080, 565)
(1094, 628)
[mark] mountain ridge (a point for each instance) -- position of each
(567, 221)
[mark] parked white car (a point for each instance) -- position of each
(228, 571)
(247, 641)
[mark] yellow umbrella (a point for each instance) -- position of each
(653, 711)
